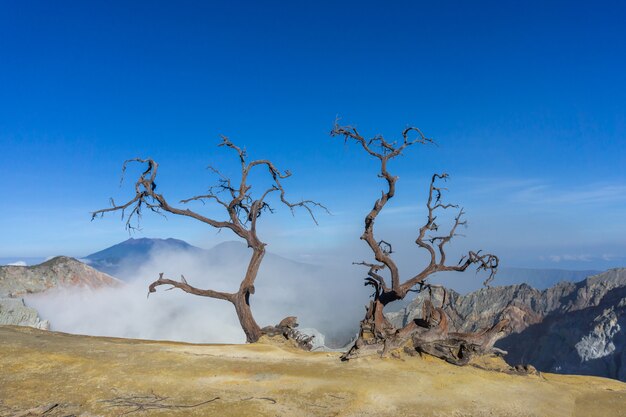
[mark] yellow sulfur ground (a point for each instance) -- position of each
(93, 376)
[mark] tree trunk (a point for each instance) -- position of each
(248, 324)
(375, 325)
(242, 299)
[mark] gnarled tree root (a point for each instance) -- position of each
(429, 336)
(287, 329)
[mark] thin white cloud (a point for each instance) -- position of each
(477, 185)
(18, 263)
(536, 191)
(582, 195)
(569, 257)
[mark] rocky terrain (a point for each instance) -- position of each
(569, 328)
(14, 311)
(55, 374)
(59, 272)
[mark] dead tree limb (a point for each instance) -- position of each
(242, 210)
(429, 334)
(152, 401)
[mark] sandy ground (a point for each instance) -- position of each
(56, 374)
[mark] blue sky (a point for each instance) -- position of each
(526, 100)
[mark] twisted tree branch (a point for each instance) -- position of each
(242, 209)
(430, 334)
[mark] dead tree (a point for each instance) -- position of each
(430, 333)
(243, 212)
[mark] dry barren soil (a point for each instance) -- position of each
(54, 374)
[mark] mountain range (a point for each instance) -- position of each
(123, 259)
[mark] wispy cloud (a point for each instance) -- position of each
(491, 185)
(567, 257)
(580, 257)
(585, 194)
(534, 191)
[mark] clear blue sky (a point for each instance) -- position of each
(527, 101)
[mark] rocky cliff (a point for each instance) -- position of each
(14, 312)
(59, 272)
(568, 328)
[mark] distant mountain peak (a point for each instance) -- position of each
(134, 251)
(152, 240)
(140, 247)
(57, 260)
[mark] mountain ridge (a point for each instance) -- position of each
(114, 259)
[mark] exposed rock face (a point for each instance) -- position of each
(599, 342)
(569, 328)
(588, 340)
(14, 312)
(522, 304)
(59, 272)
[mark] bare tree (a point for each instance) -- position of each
(429, 334)
(243, 212)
